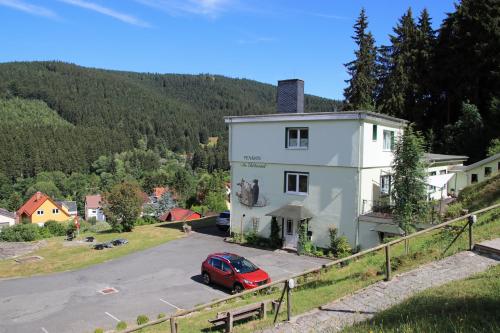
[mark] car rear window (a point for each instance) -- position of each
(224, 215)
(241, 265)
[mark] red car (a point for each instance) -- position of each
(233, 272)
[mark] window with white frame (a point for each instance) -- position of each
(388, 144)
(297, 138)
(39, 212)
(296, 182)
(55, 211)
(385, 184)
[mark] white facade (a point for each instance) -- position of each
(7, 218)
(338, 156)
(474, 173)
(95, 212)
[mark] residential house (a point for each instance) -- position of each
(474, 173)
(69, 206)
(439, 169)
(180, 214)
(93, 208)
(7, 218)
(40, 208)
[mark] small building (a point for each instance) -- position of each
(93, 208)
(69, 206)
(474, 173)
(180, 214)
(7, 218)
(40, 208)
(439, 169)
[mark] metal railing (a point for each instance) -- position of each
(377, 206)
(386, 247)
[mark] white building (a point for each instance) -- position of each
(474, 173)
(325, 169)
(440, 174)
(7, 218)
(93, 208)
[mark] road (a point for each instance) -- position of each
(161, 279)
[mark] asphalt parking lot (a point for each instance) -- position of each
(161, 279)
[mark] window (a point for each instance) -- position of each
(289, 227)
(39, 212)
(442, 172)
(296, 183)
(217, 263)
(385, 184)
(297, 138)
(487, 171)
(94, 211)
(388, 140)
(432, 173)
(225, 267)
(374, 132)
(473, 178)
(55, 211)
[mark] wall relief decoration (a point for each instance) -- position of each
(249, 194)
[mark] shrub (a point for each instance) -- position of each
(161, 315)
(98, 330)
(302, 231)
(275, 237)
(54, 228)
(145, 220)
(142, 319)
(121, 326)
(85, 226)
(454, 210)
(340, 246)
(200, 209)
(92, 220)
(21, 233)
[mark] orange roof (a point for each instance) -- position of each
(34, 203)
(93, 201)
(159, 191)
(180, 214)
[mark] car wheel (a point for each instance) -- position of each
(206, 278)
(237, 288)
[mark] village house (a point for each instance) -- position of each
(7, 218)
(323, 169)
(93, 208)
(474, 173)
(69, 207)
(40, 208)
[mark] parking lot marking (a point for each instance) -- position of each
(44, 330)
(170, 304)
(109, 314)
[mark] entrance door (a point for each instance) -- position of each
(290, 234)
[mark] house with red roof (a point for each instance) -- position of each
(41, 208)
(93, 208)
(180, 214)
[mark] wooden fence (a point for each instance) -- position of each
(386, 247)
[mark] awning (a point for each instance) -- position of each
(296, 212)
(439, 181)
(392, 229)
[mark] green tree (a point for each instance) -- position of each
(409, 188)
(123, 206)
(165, 203)
(494, 147)
(360, 91)
(14, 201)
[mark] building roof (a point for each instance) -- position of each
(434, 158)
(159, 191)
(6, 213)
(475, 165)
(296, 212)
(34, 203)
(93, 201)
(389, 228)
(70, 205)
(341, 115)
(179, 214)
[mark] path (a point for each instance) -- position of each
(382, 295)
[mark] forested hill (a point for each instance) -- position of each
(113, 111)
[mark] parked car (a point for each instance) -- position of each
(119, 241)
(222, 221)
(102, 246)
(233, 272)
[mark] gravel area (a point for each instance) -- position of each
(16, 249)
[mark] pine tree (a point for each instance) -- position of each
(360, 92)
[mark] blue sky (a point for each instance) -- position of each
(264, 40)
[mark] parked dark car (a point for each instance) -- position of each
(222, 221)
(232, 271)
(102, 246)
(119, 241)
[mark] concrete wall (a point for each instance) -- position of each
(373, 154)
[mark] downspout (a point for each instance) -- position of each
(231, 201)
(360, 161)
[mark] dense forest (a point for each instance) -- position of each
(446, 81)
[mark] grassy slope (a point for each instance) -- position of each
(482, 194)
(17, 111)
(59, 258)
(469, 305)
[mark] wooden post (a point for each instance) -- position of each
(288, 302)
(173, 325)
(285, 287)
(229, 322)
(263, 310)
(387, 263)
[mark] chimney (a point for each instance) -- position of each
(38, 195)
(291, 96)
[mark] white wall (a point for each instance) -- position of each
(97, 213)
(331, 198)
(373, 153)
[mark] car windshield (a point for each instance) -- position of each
(241, 265)
(224, 215)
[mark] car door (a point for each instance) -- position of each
(227, 277)
(217, 274)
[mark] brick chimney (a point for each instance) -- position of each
(38, 195)
(290, 96)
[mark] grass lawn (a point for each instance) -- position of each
(470, 305)
(317, 290)
(59, 258)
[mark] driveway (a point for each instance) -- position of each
(161, 279)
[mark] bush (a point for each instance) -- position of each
(92, 220)
(161, 315)
(142, 319)
(454, 210)
(340, 246)
(275, 237)
(145, 220)
(121, 326)
(21, 233)
(55, 229)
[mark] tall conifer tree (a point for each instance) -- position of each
(361, 90)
